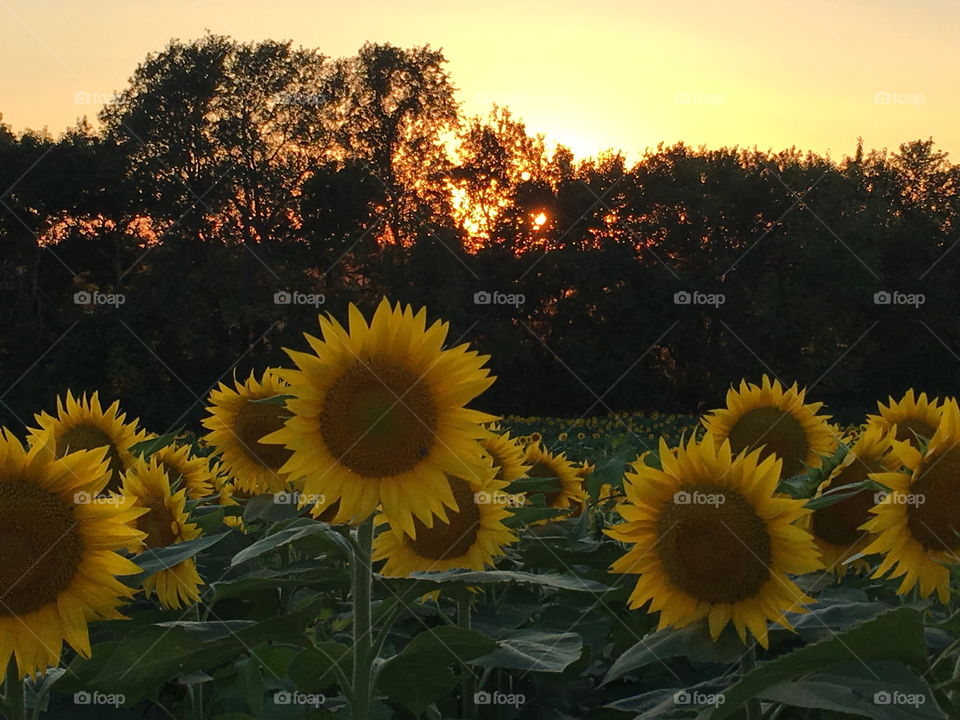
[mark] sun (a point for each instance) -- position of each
(711, 538)
(776, 420)
(379, 416)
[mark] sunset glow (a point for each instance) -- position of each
(624, 75)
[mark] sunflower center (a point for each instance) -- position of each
(777, 432)
(908, 429)
(158, 524)
(42, 549)
(89, 437)
(716, 548)
(933, 505)
(255, 421)
(542, 470)
(379, 420)
(839, 523)
(450, 539)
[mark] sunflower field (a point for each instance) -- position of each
(347, 537)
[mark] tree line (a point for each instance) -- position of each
(231, 191)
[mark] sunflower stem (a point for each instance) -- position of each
(13, 697)
(468, 679)
(363, 654)
(748, 662)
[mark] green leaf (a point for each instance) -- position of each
(278, 539)
(880, 690)
(841, 492)
(154, 560)
(895, 636)
(484, 577)
(521, 516)
(265, 507)
(420, 674)
(836, 615)
(314, 670)
(662, 703)
(534, 650)
(533, 485)
(251, 684)
(146, 448)
(693, 641)
(206, 632)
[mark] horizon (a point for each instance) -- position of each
(704, 88)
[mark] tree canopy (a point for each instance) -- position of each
(226, 174)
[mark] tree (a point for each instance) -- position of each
(219, 136)
(392, 109)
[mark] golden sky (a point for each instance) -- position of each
(592, 75)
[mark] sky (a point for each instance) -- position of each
(625, 74)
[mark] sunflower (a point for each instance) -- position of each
(60, 540)
(917, 523)
(470, 537)
(194, 471)
(544, 464)
(712, 539)
(165, 523)
(777, 421)
(379, 416)
(507, 457)
(238, 421)
(82, 424)
(836, 527)
(914, 417)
